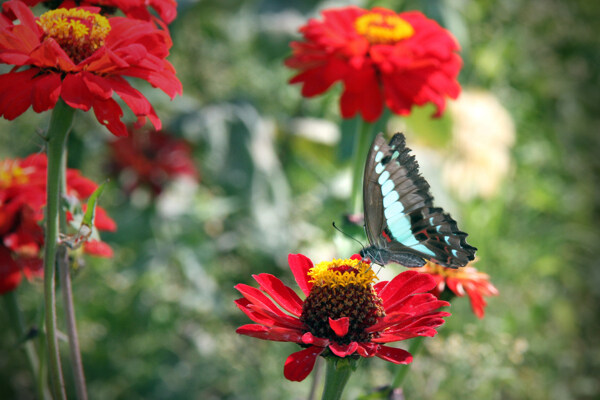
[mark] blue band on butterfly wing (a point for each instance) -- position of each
(390, 198)
(394, 209)
(387, 187)
(423, 249)
(383, 177)
(399, 226)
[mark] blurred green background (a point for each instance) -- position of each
(158, 320)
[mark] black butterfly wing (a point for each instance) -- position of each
(401, 223)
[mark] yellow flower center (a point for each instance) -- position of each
(11, 174)
(383, 28)
(342, 273)
(79, 32)
(342, 288)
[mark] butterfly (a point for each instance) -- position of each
(401, 223)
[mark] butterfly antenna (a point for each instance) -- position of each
(347, 235)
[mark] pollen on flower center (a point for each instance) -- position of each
(11, 174)
(342, 288)
(383, 29)
(79, 32)
(342, 273)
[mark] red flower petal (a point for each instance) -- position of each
(362, 94)
(261, 318)
(76, 93)
(276, 334)
(140, 106)
(98, 248)
(280, 320)
(403, 285)
(10, 274)
(109, 113)
(18, 10)
(367, 349)
(261, 304)
(283, 295)
(300, 364)
(102, 221)
(300, 265)
(392, 354)
(477, 302)
(16, 94)
(340, 326)
(417, 304)
(309, 338)
(78, 183)
(46, 89)
(49, 54)
(343, 350)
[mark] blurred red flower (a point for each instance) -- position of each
(344, 313)
(154, 157)
(382, 57)
(461, 281)
(138, 9)
(22, 201)
(81, 57)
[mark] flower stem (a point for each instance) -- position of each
(60, 124)
(336, 376)
(361, 145)
(315, 378)
(16, 318)
(402, 370)
(75, 354)
(68, 304)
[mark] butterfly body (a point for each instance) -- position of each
(401, 222)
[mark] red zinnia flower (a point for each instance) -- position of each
(154, 157)
(400, 59)
(81, 57)
(462, 281)
(343, 315)
(22, 201)
(166, 9)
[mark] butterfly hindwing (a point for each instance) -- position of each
(401, 223)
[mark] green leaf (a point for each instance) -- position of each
(90, 212)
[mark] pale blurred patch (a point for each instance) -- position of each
(178, 197)
(483, 134)
(316, 129)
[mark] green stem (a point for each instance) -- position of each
(336, 376)
(316, 374)
(68, 304)
(413, 349)
(16, 318)
(42, 378)
(60, 124)
(361, 146)
(75, 354)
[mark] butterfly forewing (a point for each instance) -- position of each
(401, 223)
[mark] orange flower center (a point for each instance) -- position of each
(383, 29)
(11, 174)
(465, 273)
(79, 32)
